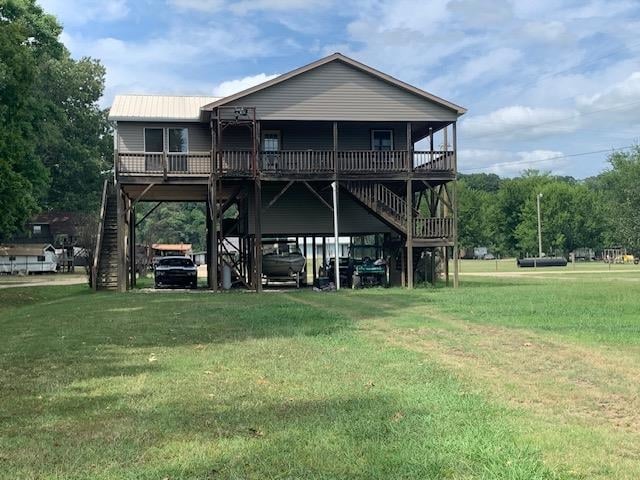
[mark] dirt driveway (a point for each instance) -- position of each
(46, 280)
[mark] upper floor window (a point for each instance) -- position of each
(37, 229)
(178, 140)
(270, 140)
(382, 139)
(153, 140)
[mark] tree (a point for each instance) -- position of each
(474, 216)
(54, 140)
(619, 193)
(569, 219)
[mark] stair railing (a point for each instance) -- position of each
(96, 253)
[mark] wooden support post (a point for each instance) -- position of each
(213, 236)
(324, 255)
(208, 224)
(314, 259)
(132, 246)
(454, 205)
(257, 248)
(409, 233)
(335, 149)
(122, 252)
(431, 145)
(409, 148)
(446, 265)
(403, 270)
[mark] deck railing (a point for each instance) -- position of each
(192, 163)
(283, 162)
(442, 161)
(372, 161)
(436, 227)
(297, 161)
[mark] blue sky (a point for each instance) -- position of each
(541, 79)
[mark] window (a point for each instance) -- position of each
(41, 258)
(178, 140)
(153, 140)
(37, 229)
(12, 258)
(382, 139)
(270, 140)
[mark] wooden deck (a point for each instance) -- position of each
(290, 163)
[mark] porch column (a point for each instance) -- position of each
(121, 239)
(454, 205)
(257, 247)
(409, 213)
(212, 240)
(335, 149)
(132, 246)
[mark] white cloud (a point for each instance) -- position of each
(509, 164)
(243, 7)
(620, 101)
(80, 12)
(167, 64)
(520, 121)
(230, 87)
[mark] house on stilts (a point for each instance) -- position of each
(273, 151)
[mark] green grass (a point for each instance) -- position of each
(506, 265)
(303, 385)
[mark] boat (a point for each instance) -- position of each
(282, 259)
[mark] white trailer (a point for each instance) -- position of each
(26, 259)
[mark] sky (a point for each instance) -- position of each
(545, 82)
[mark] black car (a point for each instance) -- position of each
(176, 272)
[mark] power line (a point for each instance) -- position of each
(557, 157)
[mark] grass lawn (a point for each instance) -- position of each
(531, 377)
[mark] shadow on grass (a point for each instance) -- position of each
(367, 436)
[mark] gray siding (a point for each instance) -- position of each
(131, 135)
(298, 211)
(336, 91)
(318, 135)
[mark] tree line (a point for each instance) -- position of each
(597, 212)
(55, 141)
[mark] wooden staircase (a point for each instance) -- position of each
(392, 208)
(105, 265)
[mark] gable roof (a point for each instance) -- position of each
(158, 108)
(349, 61)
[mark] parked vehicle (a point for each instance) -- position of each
(176, 272)
(282, 259)
(488, 256)
(370, 273)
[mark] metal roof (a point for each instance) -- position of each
(25, 249)
(178, 247)
(158, 108)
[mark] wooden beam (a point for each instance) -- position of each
(409, 148)
(257, 250)
(454, 203)
(213, 193)
(148, 213)
(409, 211)
(318, 196)
(234, 194)
(139, 197)
(335, 149)
(314, 258)
(132, 246)
(277, 197)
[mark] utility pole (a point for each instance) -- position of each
(538, 197)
